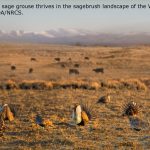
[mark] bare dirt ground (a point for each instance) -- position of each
(107, 129)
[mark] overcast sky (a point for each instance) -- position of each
(105, 21)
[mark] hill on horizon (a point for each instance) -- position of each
(76, 37)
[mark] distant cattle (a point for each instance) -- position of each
(33, 59)
(99, 70)
(57, 59)
(13, 67)
(69, 59)
(77, 65)
(30, 70)
(87, 58)
(73, 71)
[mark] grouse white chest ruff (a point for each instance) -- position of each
(76, 115)
(81, 115)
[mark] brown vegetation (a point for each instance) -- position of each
(132, 84)
(51, 92)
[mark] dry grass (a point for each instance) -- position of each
(106, 130)
(51, 92)
(125, 83)
(132, 84)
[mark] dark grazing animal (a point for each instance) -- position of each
(30, 70)
(99, 70)
(13, 67)
(87, 58)
(74, 71)
(69, 59)
(77, 65)
(33, 59)
(57, 59)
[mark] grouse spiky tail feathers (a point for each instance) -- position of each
(82, 114)
(130, 109)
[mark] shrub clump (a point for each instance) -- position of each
(134, 84)
(35, 85)
(8, 85)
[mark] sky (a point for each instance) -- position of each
(99, 20)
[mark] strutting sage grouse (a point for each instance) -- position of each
(130, 109)
(7, 112)
(43, 122)
(81, 114)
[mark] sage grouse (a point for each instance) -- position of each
(81, 114)
(43, 122)
(104, 99)
(7, 112)
(130, 109)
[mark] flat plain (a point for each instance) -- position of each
(38, 78)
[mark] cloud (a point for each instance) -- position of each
(73, 36)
